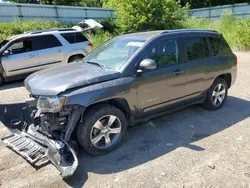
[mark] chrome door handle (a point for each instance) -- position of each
(32, 55)
(178, 72)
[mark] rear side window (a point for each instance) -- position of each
(215, 44)
(225, 47)
(196, 48)
(74, 37)
(45, 42)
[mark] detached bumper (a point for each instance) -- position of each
(37, 148)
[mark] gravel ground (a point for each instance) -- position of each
(191, 148)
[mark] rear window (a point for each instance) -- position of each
(215, 44)
(74, 37)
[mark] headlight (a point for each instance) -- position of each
(50, 103)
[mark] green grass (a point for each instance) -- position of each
(18, 27)
(99, 37)
(235, 30)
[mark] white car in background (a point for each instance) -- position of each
(21, 55)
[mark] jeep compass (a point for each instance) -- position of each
(130, 78)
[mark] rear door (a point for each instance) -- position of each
(49, 49)
(197, 63)
(22, 58)
(78, 43)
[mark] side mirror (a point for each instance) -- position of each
(6, 53)
(147, 64)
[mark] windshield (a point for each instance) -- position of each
(114, 53)
(3, 43)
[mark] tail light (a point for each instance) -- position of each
(90, 44)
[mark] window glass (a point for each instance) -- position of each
(16, 46)
(164, 53)
(225, 47)
(194, 48)
(74, 37)
(20, 46)
(114, 53)
(45, 42)
(215, 44)
(205, 46)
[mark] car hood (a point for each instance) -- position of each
(57, 79)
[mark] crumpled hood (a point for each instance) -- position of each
(57, 79)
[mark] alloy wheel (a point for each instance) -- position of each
(105, 132)
(219, 94)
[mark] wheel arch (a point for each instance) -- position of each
(75, 55)
(120, 103)
(227, 77)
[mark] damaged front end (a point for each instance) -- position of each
(48, 137)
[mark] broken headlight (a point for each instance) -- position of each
(51, 104)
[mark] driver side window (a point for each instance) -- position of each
(20, 46)
(164, 52)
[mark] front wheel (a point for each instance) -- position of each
(217, 95)
(102, 129)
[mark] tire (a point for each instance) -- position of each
(89, 131)
(1, 80)
(211, 103)
(75, 58)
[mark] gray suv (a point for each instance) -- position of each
(24, 54)
(129, 79)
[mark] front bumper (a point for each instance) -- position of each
(38, 149)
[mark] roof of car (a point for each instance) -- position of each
(43, 32)
(149, 34)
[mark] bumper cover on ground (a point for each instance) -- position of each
(36, 147)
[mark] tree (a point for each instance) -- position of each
(140, 15)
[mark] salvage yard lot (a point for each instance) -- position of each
(190, 148)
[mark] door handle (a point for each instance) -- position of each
(59, 50)
(178, 72)
(32, 55)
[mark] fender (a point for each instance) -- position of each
(110, 90)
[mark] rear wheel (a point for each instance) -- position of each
(217, 95)
(103, 128)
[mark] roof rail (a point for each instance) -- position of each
(189, 30)
(130, 32)
(49, 30)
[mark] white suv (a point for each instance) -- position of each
(23, 54)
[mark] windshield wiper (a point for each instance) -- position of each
(94, 63)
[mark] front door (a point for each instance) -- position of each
(19, 58)
(164, 86)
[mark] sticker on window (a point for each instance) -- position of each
(137, 44)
